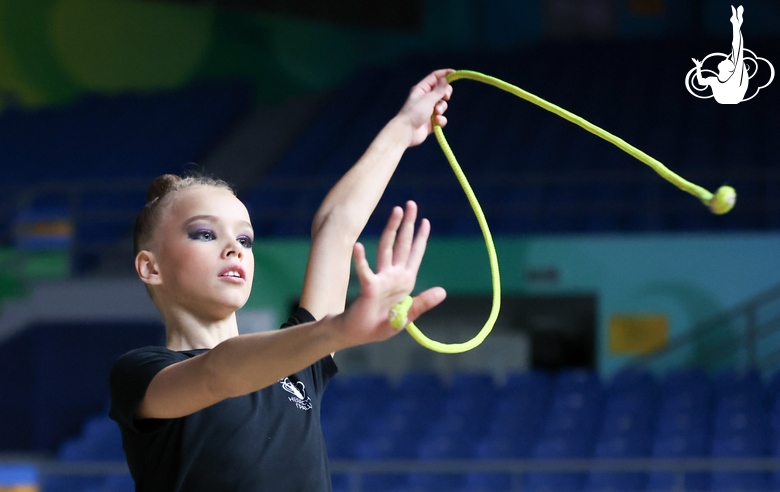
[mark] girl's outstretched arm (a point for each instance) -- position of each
(247, 363)
(346, 209)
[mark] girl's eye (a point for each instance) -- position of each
(202, 235)
(246, 241)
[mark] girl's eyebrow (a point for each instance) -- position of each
(212, 218)
(207, 218)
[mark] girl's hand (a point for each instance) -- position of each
(399, 255)
(429, 97)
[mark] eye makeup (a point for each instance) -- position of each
(200, 231)
(246, 241)
(200, 234)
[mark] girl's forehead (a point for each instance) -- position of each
(207, 200)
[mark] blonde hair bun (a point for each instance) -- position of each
(161, 186)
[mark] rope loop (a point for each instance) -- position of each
(719, 203)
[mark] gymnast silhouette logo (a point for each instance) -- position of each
(298, 390)
(730, 84)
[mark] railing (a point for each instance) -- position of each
(357, 470)
(746, 336)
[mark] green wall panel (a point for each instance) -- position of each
(116, 45)
(51, 51)
(687, 278)
(24, 33)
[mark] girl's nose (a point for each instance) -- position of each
(233, 248)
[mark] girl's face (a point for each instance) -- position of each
(204, 252)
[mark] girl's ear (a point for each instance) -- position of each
(146, 267)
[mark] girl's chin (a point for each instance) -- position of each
(232, 307)
(223, 308)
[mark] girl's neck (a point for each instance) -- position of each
(186, 332)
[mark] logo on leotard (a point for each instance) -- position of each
(298, 390)
(729, 85)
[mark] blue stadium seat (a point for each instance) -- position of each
(409, 421)
(423, 384)
(620, 446)
(625, 446)
(100, 440)
(740, 422)
(574, 445)
(630, 414)
(553, 482)
(661, 481)
(741, 429)
(501, 447)
(492, 482)
(472, 425)
(739, 482)
(615, 482)
(679, 446)
(441, 447)
(386, 446)
(473, 384)
(739, 446)
(65, 483)
(373, 386)
(631, 380)
(577, 379)
(527, 383)
(575, 411)
(119, 482)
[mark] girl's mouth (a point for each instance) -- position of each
(233, 272)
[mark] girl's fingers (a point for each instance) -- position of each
(384, 252)
(362, 267)
(440, 74)
(443, 72)
(432, 79)
(434, 85)
(426, 300)
(426, 85)
(418, 247)
(441, 92)
(403, 242)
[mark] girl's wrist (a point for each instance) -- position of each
(402, 129)
(336, 332)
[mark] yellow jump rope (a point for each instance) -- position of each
(719, 203)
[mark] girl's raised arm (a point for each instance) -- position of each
(346, 209)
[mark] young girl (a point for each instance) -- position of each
(217, 411)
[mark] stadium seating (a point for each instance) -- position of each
(532, 171)
(99, 142)
(572, 414)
